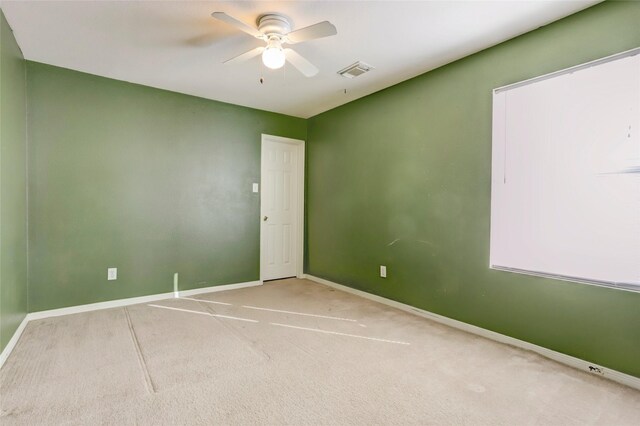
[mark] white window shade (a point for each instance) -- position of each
(565, 198)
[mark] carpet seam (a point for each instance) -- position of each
(238, 335)
(141, 361)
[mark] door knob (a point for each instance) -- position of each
(265, 218)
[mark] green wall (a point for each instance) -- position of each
(153, 182)
(13, 185)
(412, 164)
(148, 181)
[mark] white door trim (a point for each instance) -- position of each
(299, 251)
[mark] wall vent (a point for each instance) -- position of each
(355, 70)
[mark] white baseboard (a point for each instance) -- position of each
(14, 339)
(136, 300)
(113, 304)
(571, 361)
(98, 306)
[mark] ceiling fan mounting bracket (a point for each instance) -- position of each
(274, 24)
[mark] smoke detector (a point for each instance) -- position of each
(355, 70)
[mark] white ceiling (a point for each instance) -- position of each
(176, 45)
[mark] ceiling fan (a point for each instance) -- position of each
(275, 30)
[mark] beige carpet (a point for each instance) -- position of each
(347, 360)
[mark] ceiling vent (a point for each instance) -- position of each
(355, 70)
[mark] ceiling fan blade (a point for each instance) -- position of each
(245, 56)
(298, 61)
(238, 24)
(202, 40)
(319, 30)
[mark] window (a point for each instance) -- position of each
(565, 199)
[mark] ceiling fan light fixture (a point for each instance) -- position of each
(275, 30)
(273, 56)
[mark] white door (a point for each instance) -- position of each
(281, 208)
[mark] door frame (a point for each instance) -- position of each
(299, 208)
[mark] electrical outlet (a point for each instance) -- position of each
(112, 274)
(383, 271)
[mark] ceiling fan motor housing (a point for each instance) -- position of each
(274, 24)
